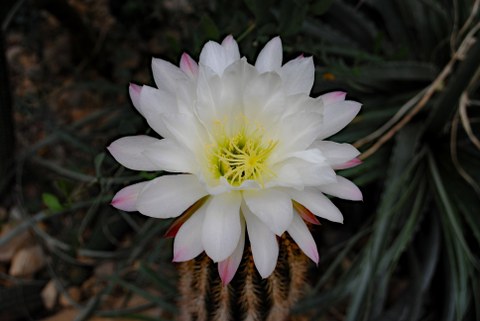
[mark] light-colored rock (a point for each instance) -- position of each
(50, 295)
(27, 261)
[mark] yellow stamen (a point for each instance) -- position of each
(241, 157)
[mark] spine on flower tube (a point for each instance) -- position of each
(248, 297)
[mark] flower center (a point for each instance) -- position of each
(242, 157)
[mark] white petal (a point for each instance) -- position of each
(286, 175)
(299, 103)
(335, 153)
(169, 196)
(231, 48)
(272, 206)
(126, 198)
(157, 101)
(260, 95)
(303, 168)
(336, 116)
(188, 241)
(222, 228)
(298, 75)
(154, 103)
(215, 57)
(134, 91)
(316, 174)
(310, 174)
(312, 155)
(263, 242)
(128, 151)
(270, 57)
(300, 233)
(227, 268)
(298, 132)
(185, 129)
(171, 156)
(208, 86)
(188, 65)
(317, 203)
(167, 75)
(343, 188)
(333, 97)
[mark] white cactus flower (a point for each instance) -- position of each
(246, 144)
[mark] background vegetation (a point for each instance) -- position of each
(408, 252)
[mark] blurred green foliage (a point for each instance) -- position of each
(410, 251)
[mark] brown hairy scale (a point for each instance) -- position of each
(248, 297)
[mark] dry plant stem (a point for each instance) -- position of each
(454, 155)
(464, 103)
(466, 121)
(248, 297)
(462, 114)
(398, 115)
(470, 19)
(437, 83)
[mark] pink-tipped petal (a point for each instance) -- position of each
(126, 198)
(342, 188)
(229, 267)
(134, 90)
(337, 155)
(188, 65)
(333, 97)
(178, 255)
(299, 232)
(305, 214)
(351, 163)
(231, 48)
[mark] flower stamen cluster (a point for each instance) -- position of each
(242, 157)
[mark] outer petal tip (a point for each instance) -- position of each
(135, 88)
(333, 97)
(351, 163)
(188, 65)
(314, 255)
(177, 256)
(126, 198)
(226, 272)
(227, 39)
(359, 196)
(270, 57)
